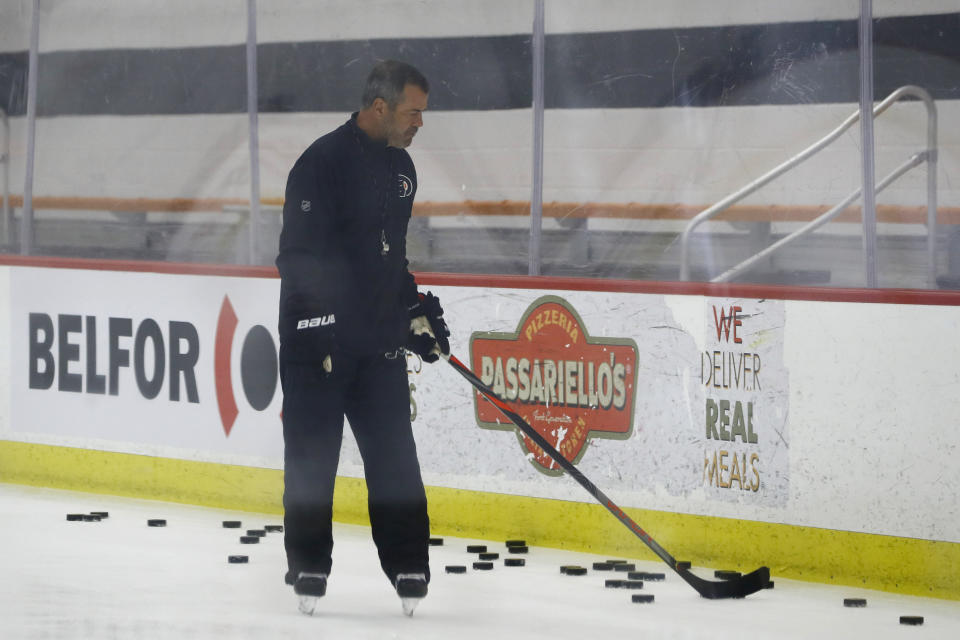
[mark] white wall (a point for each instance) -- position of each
(852, 406)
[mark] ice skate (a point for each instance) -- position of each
(310, 587)
(412, 588)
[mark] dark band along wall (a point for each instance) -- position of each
(625, 69)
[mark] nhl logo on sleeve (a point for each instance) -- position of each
(305, 206)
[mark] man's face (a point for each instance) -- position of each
(401, 124)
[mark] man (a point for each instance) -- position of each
(348, 307)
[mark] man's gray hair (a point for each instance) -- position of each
(387, 81)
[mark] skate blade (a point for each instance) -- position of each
(409, 604)
(310, 605)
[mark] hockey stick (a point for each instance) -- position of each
(736, 588)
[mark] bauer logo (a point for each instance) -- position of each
(568, 385)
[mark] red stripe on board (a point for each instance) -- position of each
(547, 283)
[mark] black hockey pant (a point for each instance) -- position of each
(373, 393)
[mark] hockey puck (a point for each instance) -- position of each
(613, 584)
(103, 514)
(74, 517)
(238, 559)
(157, 522)
(516, 543)
(682, 565)
(518, 549)
(911, 620)
(576, 571)
(726, 575)
(249, 539)
(231, 524)
(514, 562)
(602, 566)
(617, 561)
(490, 556)
(260, 533)
(436, 542)
(483, 566)
(854, 602)
(91, 518)
(642, 597)
(455, 568)
(624, 567)
(649, 577)
(565, 567)
(274, 528)
(476, 548)
(633, 584)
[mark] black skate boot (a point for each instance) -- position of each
(412, 588)
(310, 587)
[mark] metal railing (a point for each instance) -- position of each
(929, 156)
(5, 161)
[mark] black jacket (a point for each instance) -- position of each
(343, 247)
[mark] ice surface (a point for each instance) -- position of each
(120, 578)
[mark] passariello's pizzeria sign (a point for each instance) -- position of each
(568, 385)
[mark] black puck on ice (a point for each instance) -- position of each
(649, 577)
(563, 569)
(602, 566)
(642, 597)
(516, 543)
(455, 568)
(613, 584)
(274, 528)
(103, 514)
(576, 571)
(74, 517)
(260, 533)
(633, 584)
(238, 559)
(726, 575)
(518, 549)
(624, 567)
(514, 562)
(91, 518)
(617, 561)
(911, 620)
(232, 524)
(492, 555)
(483, 566)
(854, 602)
(156, 522)
(249, 539)
(436, 542)
(476, 548)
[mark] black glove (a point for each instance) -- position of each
(310, 337)
(429, 334)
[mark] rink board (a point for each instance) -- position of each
(808, 429)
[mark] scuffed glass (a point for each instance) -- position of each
(917, 45)
(472, 155)
(658, 112)
(141, 134)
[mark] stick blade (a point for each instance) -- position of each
(738, 588)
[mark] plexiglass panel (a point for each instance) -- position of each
(141, 134)
(472, 155)
(683, 141)
(657, 113)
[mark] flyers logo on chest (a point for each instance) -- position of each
(406, 185)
